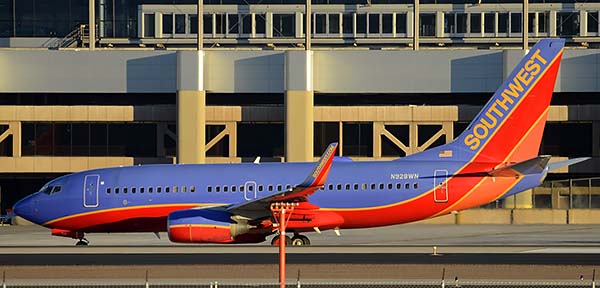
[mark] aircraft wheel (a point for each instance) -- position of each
(300, 240)
(275, 240)
(82, 242)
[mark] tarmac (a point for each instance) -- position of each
(30, 255)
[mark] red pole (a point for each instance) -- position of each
(282, 248)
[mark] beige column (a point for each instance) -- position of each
(191, 107)
(15, 129)
(299, 105)
(522, 200)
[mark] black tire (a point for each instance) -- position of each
(275, 240)
(300, 240)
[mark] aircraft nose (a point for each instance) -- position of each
(27, 208)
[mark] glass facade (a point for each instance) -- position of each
(88, 139)
(119, 19)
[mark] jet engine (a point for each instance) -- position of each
(210, 225)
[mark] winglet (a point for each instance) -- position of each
(319, 174)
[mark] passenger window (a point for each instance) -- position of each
(390, 186)
(416, 185)
(260, 188)
(192, 189)
(364, 186)
(183, 188)
(116, 190)
(233, 188)
(398, 186)
(330, 187)
(355, 186)
(380, 186)
(209, 188)
(167, 189)
(150, 189)
(225, 188)
(175, 188)
(158, 189)
(270, 187)
(288, 187)
(142, 190)
(125, 190)
(347, 186)
(250, 188)
(108, 190)
(133, 190)
(279, 187)
(339, 187)
(373, 186)
(242, 188)
(217, 188)
(407, 186)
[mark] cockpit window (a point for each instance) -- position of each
(51, 189)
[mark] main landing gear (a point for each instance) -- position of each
(82, 242)
(297, 240)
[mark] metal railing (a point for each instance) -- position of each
(73, 39)
(399, 284)
(583, 193)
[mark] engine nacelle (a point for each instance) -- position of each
(209, 226)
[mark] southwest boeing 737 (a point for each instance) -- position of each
(495, 157)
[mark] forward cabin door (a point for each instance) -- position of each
(250, 191)
(440, 187)
(90, 191)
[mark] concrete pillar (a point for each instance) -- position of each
(299, 106)
(92, 24)
(15, 129)
(378, 128)
(416, 25)
(525, 25)
(232, 129)
(523, 200)
(191, 107)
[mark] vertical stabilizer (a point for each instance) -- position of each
(509, 128)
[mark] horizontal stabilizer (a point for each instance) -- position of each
(559, 164)
(532, 166)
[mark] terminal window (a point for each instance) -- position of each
(592, 21)
(334, 23)
(284, 25)
(567, 23)
(401, 23)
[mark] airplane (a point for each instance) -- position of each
(495, 157)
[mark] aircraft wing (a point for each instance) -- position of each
(260, 207)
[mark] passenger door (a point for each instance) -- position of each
(90, 191)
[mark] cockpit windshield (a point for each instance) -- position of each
(51, 189)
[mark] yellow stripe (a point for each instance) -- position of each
(128, 208)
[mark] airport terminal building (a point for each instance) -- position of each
(383, 78)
